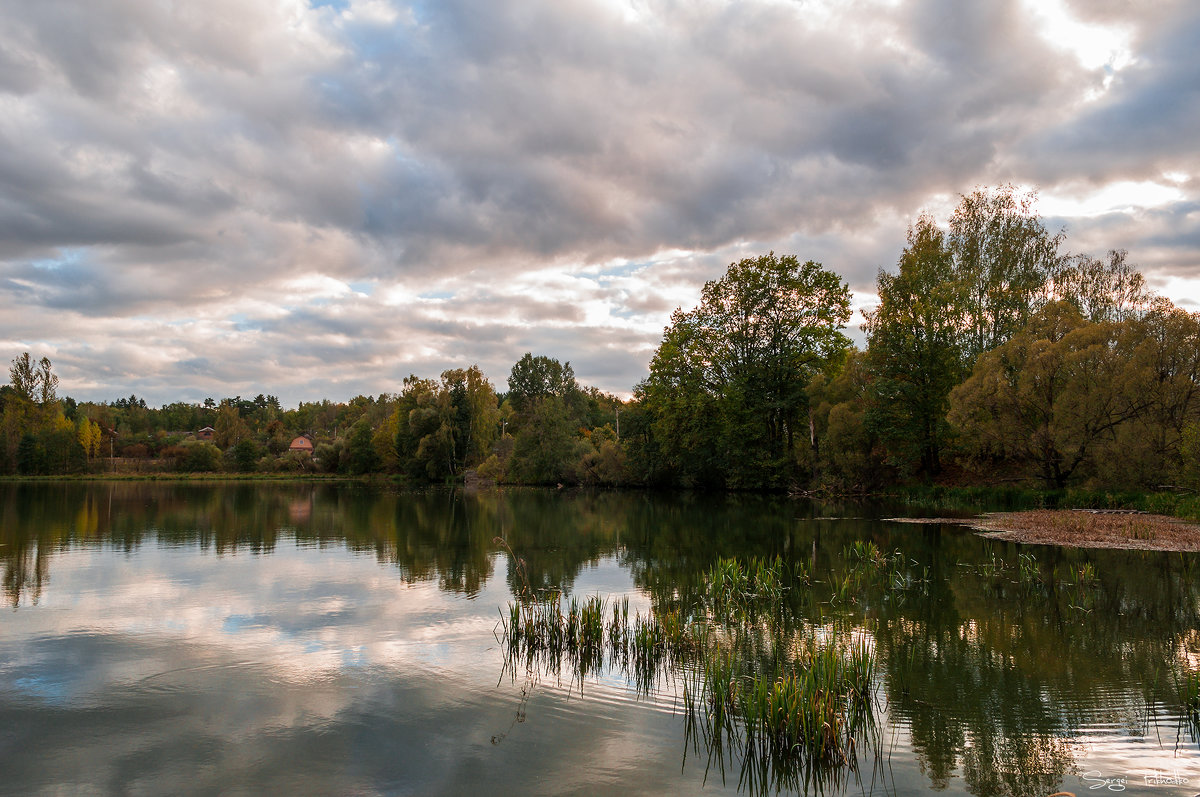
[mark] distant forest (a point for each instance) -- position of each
(993, 356)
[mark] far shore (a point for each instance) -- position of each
(168, 476)
(1082, 528)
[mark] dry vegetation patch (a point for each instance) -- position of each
(1081, 528)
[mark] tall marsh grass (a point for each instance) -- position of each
(793, 702)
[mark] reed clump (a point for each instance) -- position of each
(809, 708)
(793, 701)
(1188, 685)
(870, 570)
(1189, 692)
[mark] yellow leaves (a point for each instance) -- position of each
(89, 434)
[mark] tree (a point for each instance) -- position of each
(195, 456)
(24, 377)
(444, 427)
(533, 378)
(850, 457)
(1004, 258)
(914, 353)
(1051, 395)
(731, 373)
(1164, 352)
(545, 451)
(1103, 291)
(243, 455)
(47, 383)
(229, 428)
(360, 456)
(89, 435)
(471, 409)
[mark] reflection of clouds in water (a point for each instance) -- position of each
(305, 614)
(304, 670)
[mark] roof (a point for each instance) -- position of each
(301, 444)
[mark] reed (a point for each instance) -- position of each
(797, 724)
(1189, 692)
(792, 703)
(1086, 574)
(737, 592)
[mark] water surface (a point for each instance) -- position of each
(255, 638)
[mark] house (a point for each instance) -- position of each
(301, 444)
(206, 433)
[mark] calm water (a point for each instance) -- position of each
(317, 639)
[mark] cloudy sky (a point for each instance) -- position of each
(316, 198)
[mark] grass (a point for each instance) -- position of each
(870, 570)
(793, 702)
(1188, 686)
(1189, 692)
(796, 722)
(1183, 504)
(1092, 529)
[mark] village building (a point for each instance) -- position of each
(301, 444)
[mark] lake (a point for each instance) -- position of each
(340, 639)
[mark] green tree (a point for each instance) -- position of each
(229, 428)
(850, 457)
(545, 451)
(360, 456)
(471, 409)
(196, 456)
(730, 375)
(47, 383)
(24, 377)
(416, 417)
(914, 353)
(443, 427)
(243, 455)
(533, 378)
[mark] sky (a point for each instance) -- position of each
(316, 198)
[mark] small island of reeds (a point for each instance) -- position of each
(793, 702)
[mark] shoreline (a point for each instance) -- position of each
(1082, 528)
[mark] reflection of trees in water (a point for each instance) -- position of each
(438, 535)
(991, 674)
(996, 674)
(427, 536)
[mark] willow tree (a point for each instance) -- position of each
(1052, 395)
(727, 385)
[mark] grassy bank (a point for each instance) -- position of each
(1183, 504)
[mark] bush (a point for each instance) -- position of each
(194, 456)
